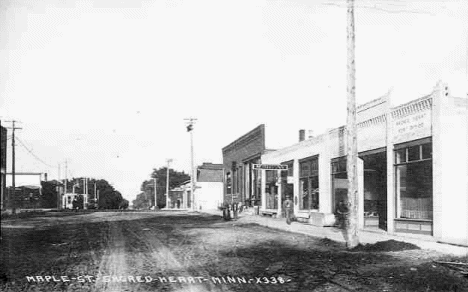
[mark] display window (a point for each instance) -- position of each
(287, 184)
(413, 179)
(271, 189)
(339, 181)
(309, 183)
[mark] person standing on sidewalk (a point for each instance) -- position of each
(342, 212)
(226, 212)
(288, 207)
(235, 210)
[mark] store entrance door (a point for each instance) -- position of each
(375, 190)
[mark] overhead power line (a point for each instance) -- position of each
(32, 153)
(376, 6)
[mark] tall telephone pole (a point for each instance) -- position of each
(190, 122)
(167, 183)
(66, 176)
(85, 193)
(95, 197)
(155, 194)
(59, 197)
(12, 201)
(352, 239)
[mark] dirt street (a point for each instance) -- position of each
(177, 251)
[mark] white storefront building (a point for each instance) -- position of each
(413, 169)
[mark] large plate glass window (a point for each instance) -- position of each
(271, 189)
(413, 179)
(287, 184)
(339, 180)
(309, 183)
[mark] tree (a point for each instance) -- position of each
(123, 204)
(109, 198)
(352, 237)
(49, 194)
(146, 198)
(141, 201)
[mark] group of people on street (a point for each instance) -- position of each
(235, 208)
(341, 212)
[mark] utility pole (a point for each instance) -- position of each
(66, 176)
(58, 188)
(95, 197)
(352, 239)
(12, 201)
(85, 193)
(155, 193)
(167, 183)
(190, 122)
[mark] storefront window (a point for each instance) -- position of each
(309, 184)
(271, 189)
(414, 182)
(228, 183)
(287, 184)
(240, 184)
(339, 180)
(256, 185)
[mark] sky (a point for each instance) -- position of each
(106, 85)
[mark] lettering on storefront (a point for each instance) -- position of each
(412, 127)
(270, 166)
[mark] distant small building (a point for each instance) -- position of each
(209, 194)
(68, 198)
(180, 196)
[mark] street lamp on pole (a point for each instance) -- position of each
(167, 183)
(191, 121)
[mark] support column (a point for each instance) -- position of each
(296, 185)
(390, 170)
(437, 160)
(278, 183)
(360, 178)
(262, 186)
(325, 196)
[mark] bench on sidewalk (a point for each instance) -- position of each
(316, 218)
(268, 213)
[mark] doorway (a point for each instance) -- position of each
(375, 189)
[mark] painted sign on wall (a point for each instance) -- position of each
(412, 127)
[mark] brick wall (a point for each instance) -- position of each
(250, 145)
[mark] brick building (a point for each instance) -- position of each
(241, 182)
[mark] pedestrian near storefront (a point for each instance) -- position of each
(288, 207)
(341, 214)
(235, 210)
(75, 204)
(226, 212)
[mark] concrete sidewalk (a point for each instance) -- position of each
(366, 236)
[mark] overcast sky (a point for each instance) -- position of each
(106, 85)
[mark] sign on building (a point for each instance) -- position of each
(270, 166)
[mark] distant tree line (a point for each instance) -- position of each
(48, 196)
